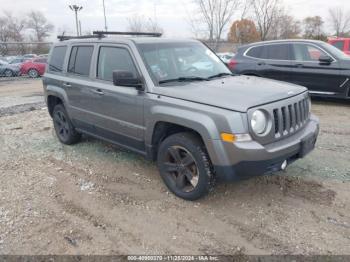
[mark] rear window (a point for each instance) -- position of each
(80, 60)
(57, 58)
(273, 52)
(339, 45)
(276, 52)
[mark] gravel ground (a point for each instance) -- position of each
(94, 198)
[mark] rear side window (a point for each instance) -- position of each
(111, 59)
(273, 52)
(57, 58)
(255, 52)
(80, 60)
(276, 52)
(339, 45)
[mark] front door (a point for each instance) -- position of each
(308, 71)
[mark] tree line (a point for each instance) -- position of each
(261, 20)
(34, 26)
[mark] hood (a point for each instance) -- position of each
(238, 93)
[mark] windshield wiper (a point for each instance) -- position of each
(184, 79)
(220, 75)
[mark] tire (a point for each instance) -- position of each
(33, 73)
(8, 73)
(189, 179)
(64, 128)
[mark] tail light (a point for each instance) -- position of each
(232, 64)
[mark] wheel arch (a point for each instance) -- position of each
(54, 96)
(170, 121)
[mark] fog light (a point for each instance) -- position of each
(284, 165)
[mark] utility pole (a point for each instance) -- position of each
(104, 14)
(76, 9)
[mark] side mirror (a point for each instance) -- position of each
(325, 59)
(126, 78)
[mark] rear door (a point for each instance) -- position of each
(272, 60)
(98, 107)
(320, 78)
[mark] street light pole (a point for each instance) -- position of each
(76, 9)
(104, 14)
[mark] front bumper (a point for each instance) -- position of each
(248, 159)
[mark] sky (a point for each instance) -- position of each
(172, 15)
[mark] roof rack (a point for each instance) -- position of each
(66, 37)
(102, 33)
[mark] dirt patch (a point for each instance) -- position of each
(310, 190)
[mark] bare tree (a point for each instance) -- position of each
(265, 13)
(216, 15)
(39, 24)
(340, 21)
(285, 27)
(14, 27)
(4, 30)
(139, 23)
(136, 23)
(313, 28)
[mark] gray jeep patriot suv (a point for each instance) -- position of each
(175, 101)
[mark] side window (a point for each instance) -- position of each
(305, 52)
(80, 60)
(339, 45)
(57, 58)
(255, 52)
(111, 59)
(276, 52)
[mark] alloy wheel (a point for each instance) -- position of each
(181, 167)
(62, 125)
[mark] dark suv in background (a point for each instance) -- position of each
(319, 66)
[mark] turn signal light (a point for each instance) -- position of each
(230, 138)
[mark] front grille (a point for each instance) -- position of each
(290, 118)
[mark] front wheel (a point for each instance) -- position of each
(185, 167)
(65, 131)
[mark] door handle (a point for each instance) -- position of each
(67, 84)
(98, 92)
(261, 63)
(299, 65)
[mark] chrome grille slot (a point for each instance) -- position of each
(290, 118)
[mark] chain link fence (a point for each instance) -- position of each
(16, 56)
(222, 46)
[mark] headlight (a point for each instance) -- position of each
(259, 122)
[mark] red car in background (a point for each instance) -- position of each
(342, 44)
(34, 68)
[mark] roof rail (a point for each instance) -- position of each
(102, 33)
(66, 37)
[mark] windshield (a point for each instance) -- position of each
(335, 51)
(178, 61)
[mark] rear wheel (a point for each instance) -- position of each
(33, 73)
(185, 167)
(65, 131)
